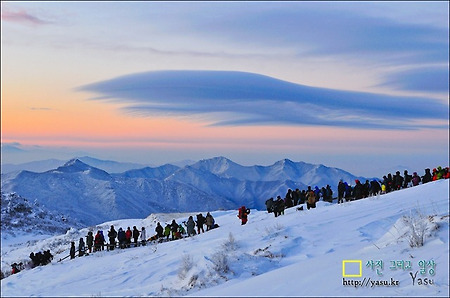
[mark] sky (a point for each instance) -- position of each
(363, 86)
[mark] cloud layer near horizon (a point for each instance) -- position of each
(240, 98)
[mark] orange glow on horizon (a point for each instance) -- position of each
(69, 119)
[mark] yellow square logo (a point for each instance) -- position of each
(352, 268)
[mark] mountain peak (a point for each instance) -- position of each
(74, 165)
(216, 165)
(219, 160)
(75, 162)
(285, 162)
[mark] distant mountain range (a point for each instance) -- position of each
(109, 166)
(49, 164)
(92, 195)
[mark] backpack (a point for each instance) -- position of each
(311, 197)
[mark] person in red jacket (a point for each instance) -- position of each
(98, 243)
(128, 235)
(446, 173)
(14, 268)
(243, 212)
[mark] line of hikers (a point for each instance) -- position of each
(124, 238)
(298, 197)
(356, 192)
(397, 181)
(38, 259)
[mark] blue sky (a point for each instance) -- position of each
(188, 80)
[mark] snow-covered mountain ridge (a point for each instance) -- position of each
(300, 253)
(93, 195)
(18, 215)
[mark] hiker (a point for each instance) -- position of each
(341, 190)
(72, 250)
(302, 197)
(48, 257)
(329, 193)
(200, 221)
(427, 177)
(128, 235)
(358, 190)
(348, 192)
(398, 181)
(143, 237)
(135, 236)
(98, 241)
(209, 219)
(269, 205)
(14, 268)
(318, 193)
(159, 230)
(446, 173)
(34, 261)
(112, 234)
(40, 258)
(438, 173)
(288, 199)
(174, 228)
(415, 179)
(122, 238)
(296, 196)
(310, 198)
(180, 231)
(387, 181)
(366, 188)
(323, 193)
(190, 226)
(280, 205)
(90, 241)
(243, 212)
(275, 206)
(103, 240)
(167, 230)
(375, 188)
(407, 179)
(81, 248)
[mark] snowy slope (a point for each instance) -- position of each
(297, 254)
(93, 195)
(161, 172)
(19, 215)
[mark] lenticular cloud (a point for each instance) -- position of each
(240, 98)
